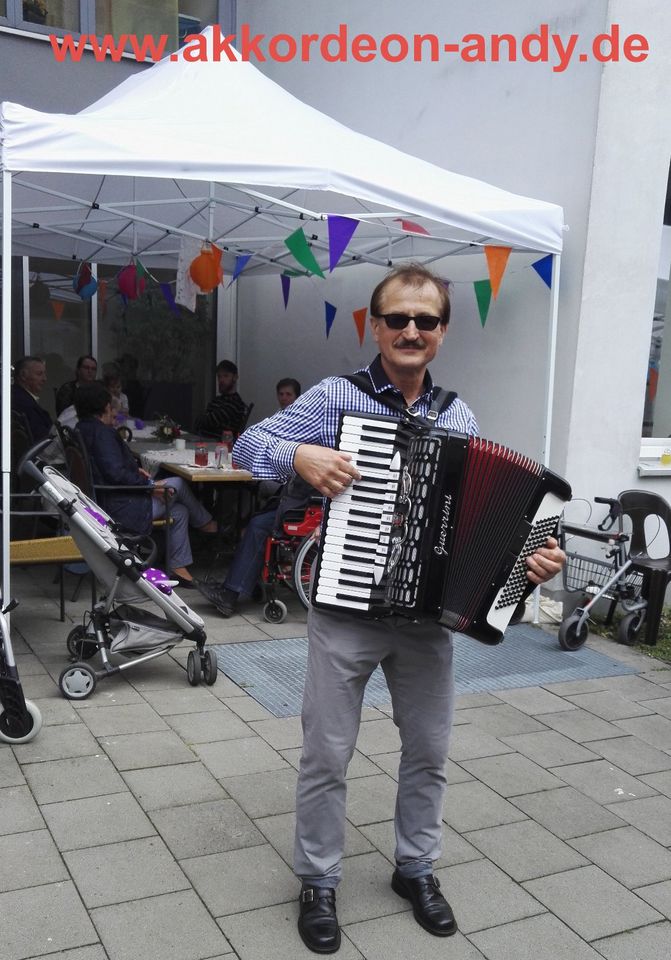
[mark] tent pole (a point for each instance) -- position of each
(550, 388)
(552, 357)
(5, 378)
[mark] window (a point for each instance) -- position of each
(167, 351)
(59, 14)
(60, 322)
(657, 411)
(172, 18)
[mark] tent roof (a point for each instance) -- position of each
(226, 154)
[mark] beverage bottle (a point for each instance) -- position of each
(227, 439)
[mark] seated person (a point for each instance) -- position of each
(245, 570)
(113, 463)
(112, 382)
(86, 372)
(30, 377)
(227, 411)
(287, 390)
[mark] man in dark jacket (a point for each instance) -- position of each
(30, 376)
(227, 411)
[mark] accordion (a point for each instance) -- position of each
(438, 528)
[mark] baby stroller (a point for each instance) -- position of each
(120, 622)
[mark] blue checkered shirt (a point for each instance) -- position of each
(267, 449)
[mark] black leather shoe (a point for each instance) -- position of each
(317, 922)
(430, 908)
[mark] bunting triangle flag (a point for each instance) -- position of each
(341, 230)
(360, 323)
(411, 226)
(57, 306)
(497, 258)
(241, 262)
(483, 294)
(543, 268)
(166, 290)
(330, 316)
(300, 249)
(286, 285)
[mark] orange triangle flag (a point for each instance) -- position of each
(497, 258)
(360, 323)
(57, 306)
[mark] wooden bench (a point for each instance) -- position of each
(45, 550)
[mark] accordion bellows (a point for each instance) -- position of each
(438, 528)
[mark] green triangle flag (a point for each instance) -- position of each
(483, 294)
(141, 269)
(300, 249)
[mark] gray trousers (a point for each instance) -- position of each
(185, 511)
(417, 663)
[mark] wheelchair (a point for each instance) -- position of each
(288, 556)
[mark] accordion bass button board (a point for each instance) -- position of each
(438, 528)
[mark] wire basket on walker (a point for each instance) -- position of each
(611, 578)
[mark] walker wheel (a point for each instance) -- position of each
(629, 627)
(78, 646)
(275, 611)
(77, 682)
(210, 667)
(570, 637)
(193, 669)
(30, 728)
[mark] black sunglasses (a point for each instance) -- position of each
(399, 321)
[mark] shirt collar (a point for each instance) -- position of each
(381, 382)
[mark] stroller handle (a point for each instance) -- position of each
(28, 467)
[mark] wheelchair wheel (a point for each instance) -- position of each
(303, 560)
(274, 611)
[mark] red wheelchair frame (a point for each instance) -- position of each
(287, 557)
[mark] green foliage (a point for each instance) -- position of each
(661, 650)
(169, 346)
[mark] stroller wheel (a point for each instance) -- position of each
(33, 722)
(570, 637)
(78, 646)
(210, 667)
(193, 668)
(78, 681)
(629, 627)
(275, 611)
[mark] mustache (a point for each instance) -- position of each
(404, 344)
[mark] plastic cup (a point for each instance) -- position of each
(200, 455)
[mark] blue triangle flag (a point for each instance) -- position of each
(241, 262)
(330, 316)
(286, 284)
(543, 268)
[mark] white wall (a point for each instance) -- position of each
(600, 149)
(517, 125)
(631, 164)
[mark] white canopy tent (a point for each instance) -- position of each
(217, 151)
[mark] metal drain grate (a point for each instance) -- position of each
(273, 671)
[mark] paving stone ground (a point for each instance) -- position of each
(154, 821)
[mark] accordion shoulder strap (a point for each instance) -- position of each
(442, 399)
